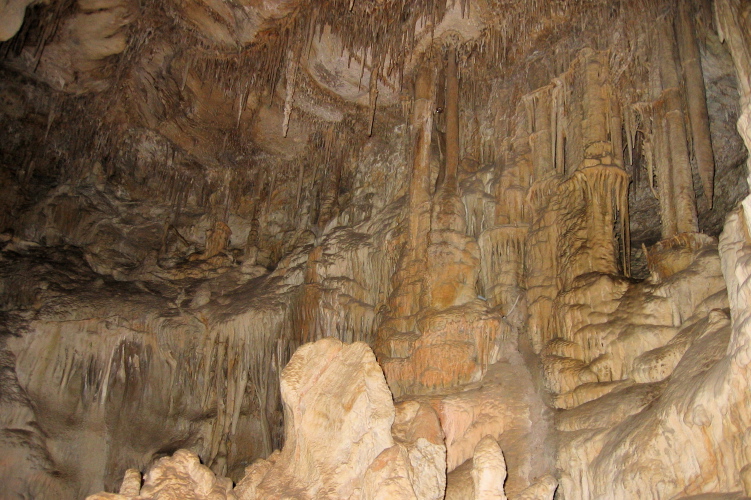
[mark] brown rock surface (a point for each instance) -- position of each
(534, 213)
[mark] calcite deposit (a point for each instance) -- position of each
(375, 249)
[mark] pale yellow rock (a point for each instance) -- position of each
(418, 431)
(488, 470)
(338, 417)
(542, 489)
(131, 485)
(388, 476)
(247, 488)
(181, 476)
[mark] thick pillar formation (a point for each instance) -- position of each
(595, 110)
(419, 184)
(600, 179)
(677, 198)
(397, 331)
(439, 334)
(696, 99)
(581, 219)
(450, 249)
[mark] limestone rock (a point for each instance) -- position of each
(338, 417)
(488, 470)
(180, 476)
(508, 412)
(417, 429)
(529, 210)
(542, 489)
(388, 476)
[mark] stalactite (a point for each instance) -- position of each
(556, 125)
(685, 203)
(732, 30)
(373, 92)
(616, 132)
(292, 65)
(502, 264)
(300, 177)
(626, 228)
(696, 99)
(330, 188)
(630, 132)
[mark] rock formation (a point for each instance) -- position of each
(368, 249)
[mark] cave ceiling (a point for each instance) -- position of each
(181, 99)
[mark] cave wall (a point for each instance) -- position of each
(518, 214)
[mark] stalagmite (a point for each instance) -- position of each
(558, 121)
(395, 334)
(488, 471)
(664, 166)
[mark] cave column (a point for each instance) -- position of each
(397, 332)
(596, 108)
(419, 184)
(452, 121)
(601, 178)
(452, 262)
(674, 134)
(696, 99)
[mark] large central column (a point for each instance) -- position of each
(419, 184)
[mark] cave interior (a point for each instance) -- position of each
(375, 249)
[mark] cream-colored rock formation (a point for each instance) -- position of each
(367, 249)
